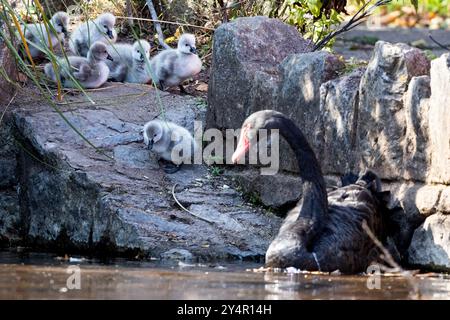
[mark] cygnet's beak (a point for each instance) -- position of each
(110, 34)
(109, 57)
(65, 31)
(193, 50)
(150, 145)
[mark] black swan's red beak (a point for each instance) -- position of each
(242, 147)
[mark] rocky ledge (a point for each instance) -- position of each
(116, 200)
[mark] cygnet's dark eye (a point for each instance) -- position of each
(155, 135)
(60, 24)
(105, 26)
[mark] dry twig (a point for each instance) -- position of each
(158, 29)
(438, 43)
(393, 267)
(188, 211)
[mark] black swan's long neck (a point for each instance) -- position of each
(314, 203)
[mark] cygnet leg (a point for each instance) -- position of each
(161, 85)
(168, 166)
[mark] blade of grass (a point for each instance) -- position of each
(53, 61)
(24, 41)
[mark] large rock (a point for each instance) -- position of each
(439, 120)
(74, 197)
(430, 246)
(299, 96)
(382, 124)
(271, 191)
(261, 63)
(10, 230)
(245, 67)
(444, 203)
(416, 147)
(7, 145)
(336, 133)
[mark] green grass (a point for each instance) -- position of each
(215, 171)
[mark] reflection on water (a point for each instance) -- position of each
(44, 277)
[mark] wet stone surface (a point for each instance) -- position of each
(120, 198)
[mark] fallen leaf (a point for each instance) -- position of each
(202, 87)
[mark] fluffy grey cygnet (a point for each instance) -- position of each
(36, 34)
(171, 142)
(173, 66)
(100, 29)
(91, 72)
(130, 62)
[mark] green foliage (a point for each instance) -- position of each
(430, 55)
(201, 103)
(254, 199)
(311, 19)
(440, 7)
(215, 171)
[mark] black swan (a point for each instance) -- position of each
(324, 231)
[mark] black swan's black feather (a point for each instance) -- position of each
(324, 231)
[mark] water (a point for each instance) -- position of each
(38, 276)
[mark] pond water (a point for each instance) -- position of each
(42, 276)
